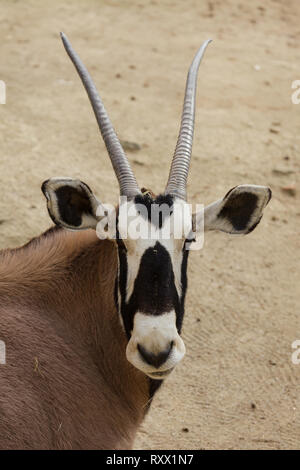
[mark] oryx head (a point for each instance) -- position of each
(151, 280)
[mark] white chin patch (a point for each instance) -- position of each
(155, 333)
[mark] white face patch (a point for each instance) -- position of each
(155, 334)
(143, 235)
(151, 283)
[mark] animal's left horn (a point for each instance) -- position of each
(181, 160)
(124, 173)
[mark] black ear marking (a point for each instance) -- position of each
(254, 225)
(72, 204)
(227, 194)
(238, 209)
(43, 188)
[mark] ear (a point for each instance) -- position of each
(71, 203)
(239, 212)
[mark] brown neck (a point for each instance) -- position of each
(76, 273)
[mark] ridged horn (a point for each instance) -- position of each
(181, 160)
(124, 173)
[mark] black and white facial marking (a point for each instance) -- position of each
(152, 285)
(151, 279)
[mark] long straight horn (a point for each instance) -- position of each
(126, 178)
(181, 160)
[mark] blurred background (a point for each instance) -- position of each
(237, 386)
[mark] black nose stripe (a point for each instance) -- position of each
(152, 359)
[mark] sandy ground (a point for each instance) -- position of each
(237, 386)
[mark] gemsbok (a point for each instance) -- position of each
(92, 324)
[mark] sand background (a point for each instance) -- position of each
(237, 386)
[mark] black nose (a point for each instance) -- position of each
(155, 360)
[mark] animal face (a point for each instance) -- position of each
(152, 282)
(153, 235)
(152, 244)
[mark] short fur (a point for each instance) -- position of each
(66, 384)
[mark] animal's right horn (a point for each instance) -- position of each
(124, 173)
(181, 160)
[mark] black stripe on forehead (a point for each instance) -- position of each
(148, 200)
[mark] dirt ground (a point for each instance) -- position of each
(237, 386)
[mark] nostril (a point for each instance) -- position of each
(155, 360)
